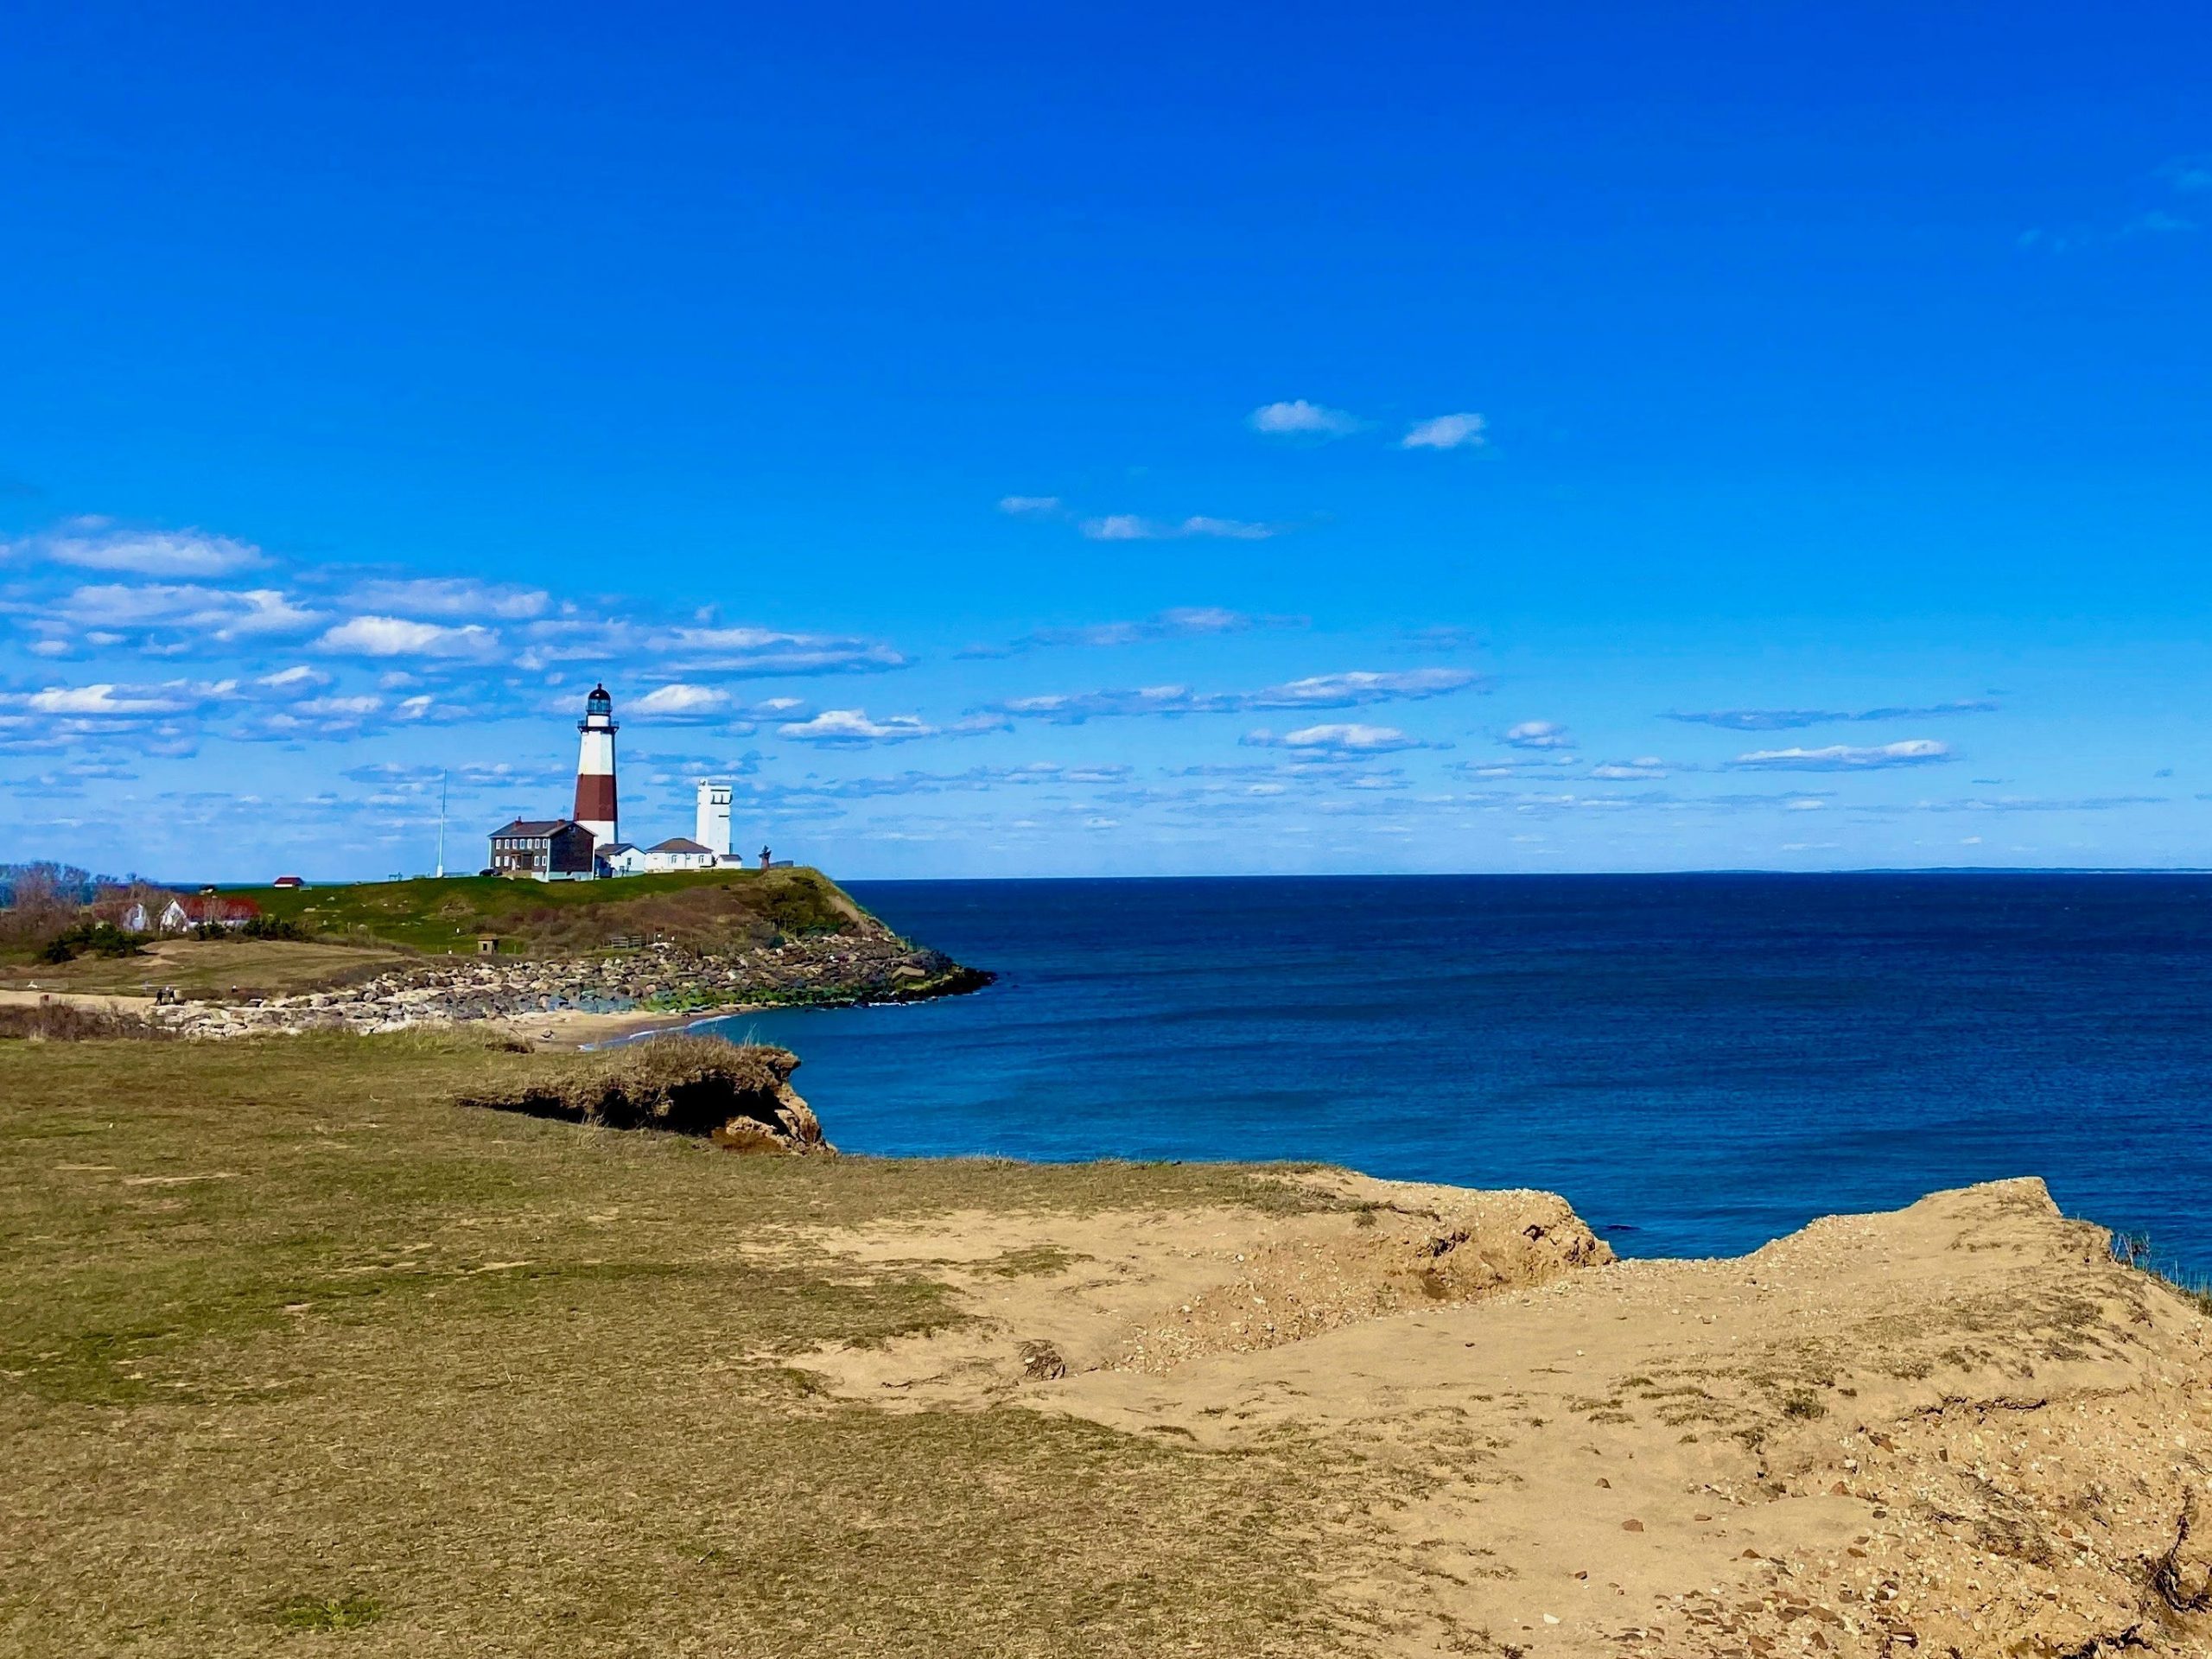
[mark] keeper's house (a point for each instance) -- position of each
(545, 849)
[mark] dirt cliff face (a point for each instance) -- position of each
(1959, 1428)
(738, 1095)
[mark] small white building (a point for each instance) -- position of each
(621, 859)
(712, 830)
(679, 853)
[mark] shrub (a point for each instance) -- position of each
(101, 939)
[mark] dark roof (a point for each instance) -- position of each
(614, 847)
(533, 827)
(679, 844)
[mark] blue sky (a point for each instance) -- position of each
(1402, 437)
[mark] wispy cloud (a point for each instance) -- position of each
(1648, 765)
(395, 636)
(449, 596)
(853, 728)
(1032, 506)
(973, 779)
(604, 643)
(1844, 757)
(1777, 720)
(2184, 177)
(106, 700)
(1345, 691)
(96, 543)
(185, 610)
(1181, 622)
(1538, 734)
(1350, 738)
(679, 701)
(1131, 527)
(1462, 431)
(1298, 418)
(2032, 803)
(1445, 637)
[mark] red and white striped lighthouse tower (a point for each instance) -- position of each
(595, 808)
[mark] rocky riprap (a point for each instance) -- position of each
(815, 970)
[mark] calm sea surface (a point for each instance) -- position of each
(1697, 1063)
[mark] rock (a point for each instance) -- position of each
(1041, 1362)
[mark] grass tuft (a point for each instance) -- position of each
(343, 1613)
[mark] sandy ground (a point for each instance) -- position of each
(138, 1006)
(573, 1028)
(561, 1028)
(1958, 1428)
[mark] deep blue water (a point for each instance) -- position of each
(1697, 1063)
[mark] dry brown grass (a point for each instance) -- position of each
(297, 1355)
(48, 1022)
(208, 967)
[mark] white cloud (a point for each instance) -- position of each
(221, 614)
(1776, 719)
(94, 544)
(337, 707)
(1538, 734)
(1645, 765)
(764, 651)
(680, 702)
(1349, 737)
(851, 728)
(1358, 686)
(298, 677)
(106, 700)
(1845, 757)
(393, 636)
(1345, 691)
(1131, 527)
(450, 596)
(1031, 506)
(1177, 622)
(1299, 418)
(1445, 432)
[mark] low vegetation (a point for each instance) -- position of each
(703, 910)
(688, 1086)
(228, 967)
(48, 1021)
(296, 1354)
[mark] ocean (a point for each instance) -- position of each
(1697, 1063)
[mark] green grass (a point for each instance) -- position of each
(341, 1613)
(296, 1351)
(438, 916)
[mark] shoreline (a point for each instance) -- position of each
(565, 1028)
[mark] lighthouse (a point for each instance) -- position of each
(595, 808)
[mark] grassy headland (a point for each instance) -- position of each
(296, 1349)
(373, 954)
(702, 910)
(291, 1343)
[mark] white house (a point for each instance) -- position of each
(620, 858)
(679, 853)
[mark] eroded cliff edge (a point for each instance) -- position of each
(1960, 1427)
